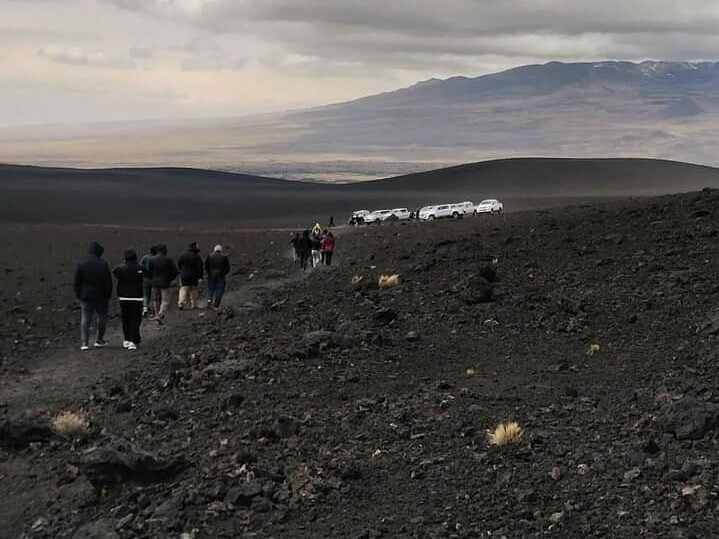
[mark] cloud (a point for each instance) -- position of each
(205, 53)
(77, 56)
(427, 34)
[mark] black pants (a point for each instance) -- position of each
(328, 258)
(304, 257)
(131, 312)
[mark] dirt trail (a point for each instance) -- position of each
(49, 382)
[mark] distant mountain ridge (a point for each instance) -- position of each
(613, 109)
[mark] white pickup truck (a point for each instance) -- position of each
(430, 213)
(399, 214)
(490, 205)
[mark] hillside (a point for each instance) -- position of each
(175, 197)
(315, 405)
(666, 110)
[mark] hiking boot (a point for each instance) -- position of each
(100, 343)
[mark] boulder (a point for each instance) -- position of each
(119, 461)
(19, 433)
(102, 529)
(690, 418)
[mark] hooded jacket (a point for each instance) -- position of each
(129, 280)
(217, 265)
(93, 281)
(162, 271)
(190, 266)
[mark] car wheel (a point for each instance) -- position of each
(431, 217)
(455, 215)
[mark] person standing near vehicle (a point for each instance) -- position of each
(305, 249)
(191, 272)
(130, 290)
(217, 266)
(328, 247)
(162, 272)
(93, 287)
(146, 283)
(332, 221)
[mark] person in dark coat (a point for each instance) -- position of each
(146, 282)
(305, 249)
(130, 277)
(217, 266)
(93, 287)
(162, 272)
(191, 273)
(295, 243)
(332, 221)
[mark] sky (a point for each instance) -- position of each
(84, 61)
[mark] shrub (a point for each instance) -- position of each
(388, 281)
(593, 349)
(70, 424)
(505, 434)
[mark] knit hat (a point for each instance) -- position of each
(218, 248)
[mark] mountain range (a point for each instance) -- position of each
(667, 110)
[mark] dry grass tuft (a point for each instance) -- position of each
(388, 281)
(505, 434)
(593, 349)
(70, 424)
(357, 279)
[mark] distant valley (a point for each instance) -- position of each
(667, 110)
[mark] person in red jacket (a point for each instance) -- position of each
(328, 247)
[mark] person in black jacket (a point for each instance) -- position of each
(217, 266)
(191, 273)
(93, 287)
(162, 272)
(130, 292)
(147, 283)
(305, 249)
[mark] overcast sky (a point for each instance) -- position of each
(100, 60)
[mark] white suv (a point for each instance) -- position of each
(489, 206)
(430, 213)
(377, 216)
(402, 214)
(464, 208)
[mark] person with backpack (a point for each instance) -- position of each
(328, 247)
(162, 271)
(305, 249)
(146, 283)
(93, 287)
(191, 273)
(217, 266)
(130, 290)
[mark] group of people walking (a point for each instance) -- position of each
(144, 287)
(314, 247)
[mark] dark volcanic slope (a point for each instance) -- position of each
(324, 409)
(174, 196)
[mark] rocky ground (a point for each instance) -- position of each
(322, 406)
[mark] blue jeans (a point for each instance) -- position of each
(88, 310)
(215, 290)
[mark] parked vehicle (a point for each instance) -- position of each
(463, 208)
(401, 214)
(490, 205)
(430, 213)
(376, 217)
(358, 217)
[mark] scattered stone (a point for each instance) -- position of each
(286, 426)
(412, 336)
(20, 433)
(243, 493)
(102, 529)
(690, 418)
(384, 316)
(118, 462)
(632, 474)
